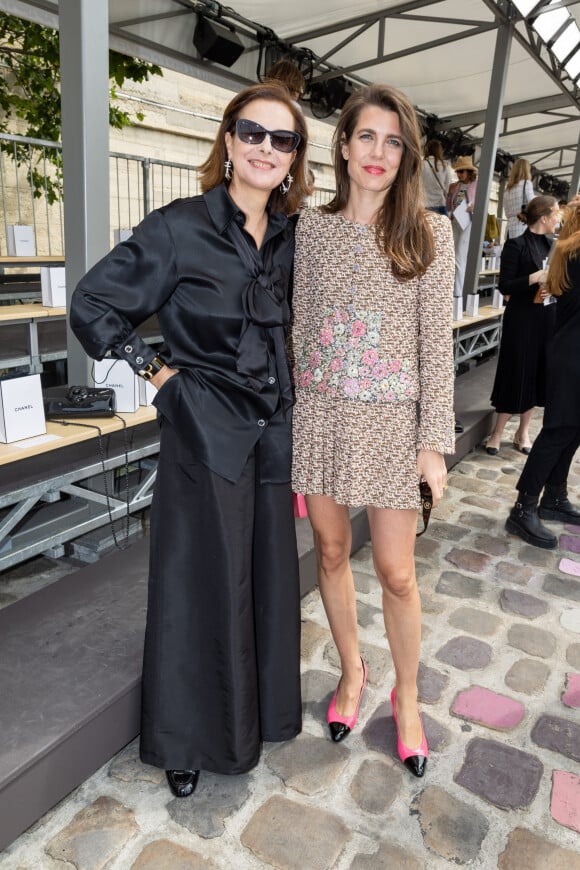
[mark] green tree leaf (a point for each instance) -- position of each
(30, 93)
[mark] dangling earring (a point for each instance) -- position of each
(286, 187)
(228, 167)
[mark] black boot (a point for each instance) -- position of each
(523, 521)
(555, 505)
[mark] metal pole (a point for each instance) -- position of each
(488, 152)
(575, 181)
(84, 61)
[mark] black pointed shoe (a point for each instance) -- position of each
(182, 782)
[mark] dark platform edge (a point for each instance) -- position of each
(27, 793)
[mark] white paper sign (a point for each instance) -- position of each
(458, 308)
(497, 299)
(120, 377)
(461, 215)
(21, 409)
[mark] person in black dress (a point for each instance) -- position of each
(528, 323)
(221, 669)
(549, 462)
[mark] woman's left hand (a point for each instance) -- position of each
(431, 466)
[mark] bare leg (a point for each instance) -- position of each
(523, 433)
(494, 439)
(393, 540)
(332, 540)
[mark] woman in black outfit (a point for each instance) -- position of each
(221, 662)
(520, 383)
(549, 462)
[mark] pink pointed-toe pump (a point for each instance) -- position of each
(341, 726)
(414, 759)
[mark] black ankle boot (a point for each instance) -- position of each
(556, 506)
(523, 521)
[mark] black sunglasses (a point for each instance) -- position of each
(254, 134)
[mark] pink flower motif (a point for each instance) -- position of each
(404, 379)
(325, 337)
(409, 392)
(395, 366)
(344, 316)
(354, 341)
(358, 328)
(390, 396)
(314, 359)
(351, 387)
(365, 383)
(370, 356)
(336, 364)
(305, 379)
(322, 387)
(380, 371)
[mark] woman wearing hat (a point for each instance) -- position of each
(462, 190)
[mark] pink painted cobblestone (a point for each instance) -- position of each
(565, 802)
(571, 697)
(488, 708)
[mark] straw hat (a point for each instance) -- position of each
(464, 162)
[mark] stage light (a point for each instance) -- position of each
(328, 96)
(216, 42)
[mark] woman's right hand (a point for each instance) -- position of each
(162, 376)
(539, 277)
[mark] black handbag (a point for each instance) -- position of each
(62, 402)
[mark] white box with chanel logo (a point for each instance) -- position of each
(53, 286)
(147, 392)
(21, 409)
(20, 241)
(120, 377)
(472, 304)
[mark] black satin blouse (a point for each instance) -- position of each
(182, 263)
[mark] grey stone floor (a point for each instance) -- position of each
(500, 688)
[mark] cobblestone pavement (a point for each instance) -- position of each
(500, 689)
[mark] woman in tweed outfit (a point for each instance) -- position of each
(373, 354)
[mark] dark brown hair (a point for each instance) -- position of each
(286, 72)
(212, 172)
(536, 208)
(402, 229)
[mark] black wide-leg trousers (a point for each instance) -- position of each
(550, 459)
(221, 667)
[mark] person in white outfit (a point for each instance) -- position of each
(437, 176)
(459, 192)
(518, 193)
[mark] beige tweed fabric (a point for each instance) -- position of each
(373, 363)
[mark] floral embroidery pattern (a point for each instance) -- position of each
(346, 361)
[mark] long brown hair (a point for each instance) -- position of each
(434, 149)
(402, 229)
(520, 171)
(212, 172)
(567, 248)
